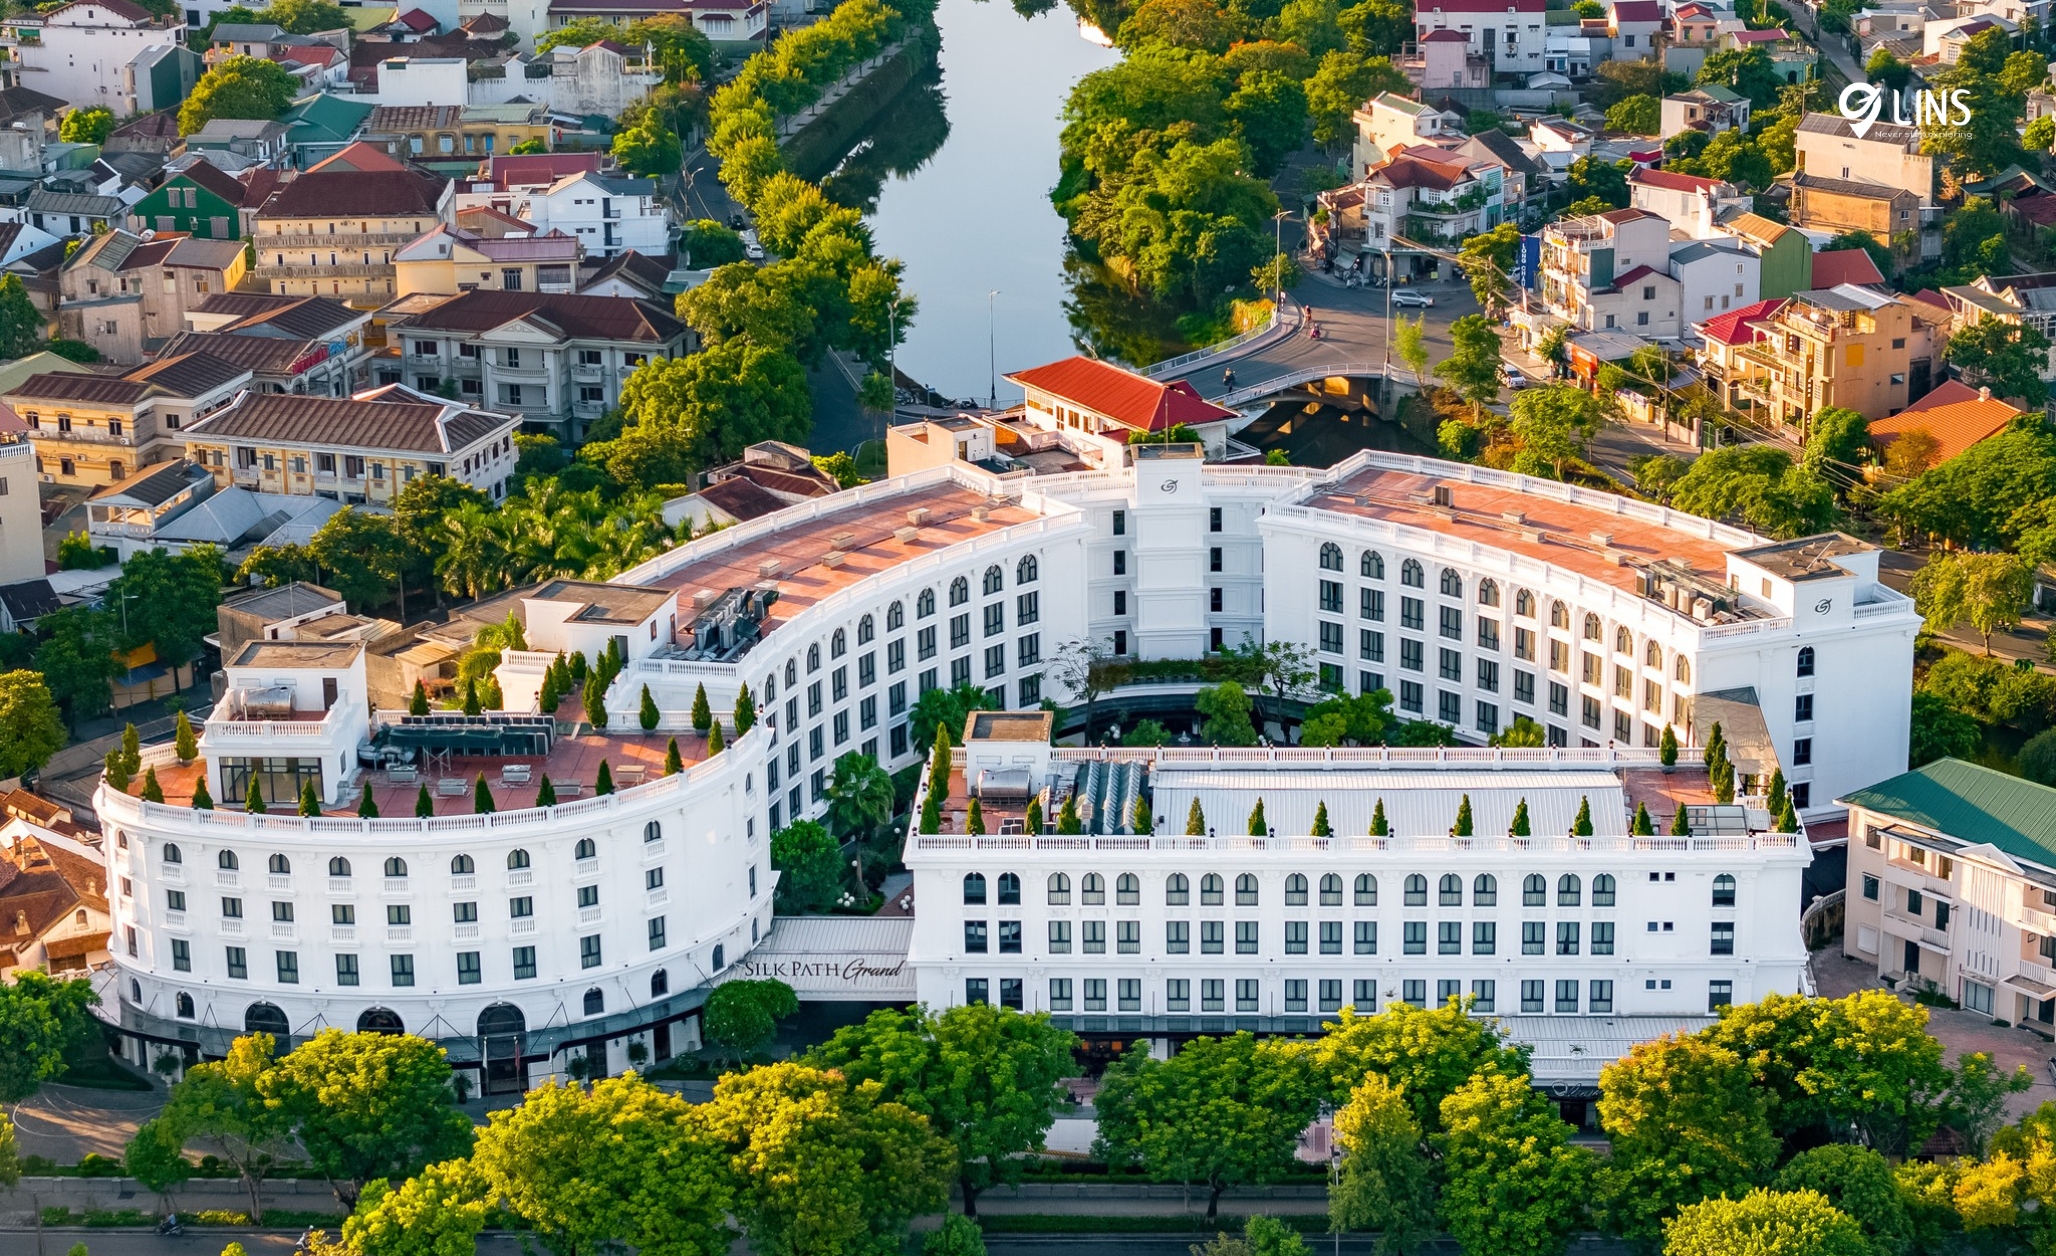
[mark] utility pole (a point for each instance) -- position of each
(1278, 257)
(991, 351)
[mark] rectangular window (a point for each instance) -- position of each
(1213, 519)
(1488, 633)
(1483, 995)
(1410, 693)
(1719, 994)
(1559, 699)
(1010, 993)
(238, 964)
(288, 967)
(1127, 992)
(1210, 995)
(1449, 937)
(1723, 937)
(1127, 937)
(1331, 597)
(1027, 608)
(1414, 937)
(1488, 676)
(1331, 638)
(959, 631)
(1366, 1001)
(1366, 937)
(1567, 996)
(1370, 646)
(1414, 992)
(1524, 687)
(1095, 994)
(1413, 613)
(1532, 934)
(895, 656)
(1451, 622)
(1245, 937)
(974, 937)
(524, 963)
(1412, 655)
(1531, 996)
(1566, 937)
(1802, 751)
(1449, 707)
(1370, 604)
(1295, 937)
(1010, 937)
(1178, 937)
(1248, 995)
(1599, 997)
(995, 619)
(589, 951)
(1212, 935)
(1094, 933)
(1178, 995)
(1331, 995)
(1802, 708)
(656, 932)
(1331, 937)
(346, 970)
(1524, 644)
(1060, 937)
(403, 970)
(1295, 995)
(1059, 994)
(924, 642)
(1449, 665)
(1484, 937)
(468, 973)
(977, 991)
(1870, 887)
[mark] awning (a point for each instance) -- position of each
(2028, 985)
(76, 947)
(1750, 748)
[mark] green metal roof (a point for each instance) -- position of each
(1971, 804)
(319, 117)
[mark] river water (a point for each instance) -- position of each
(959, 172)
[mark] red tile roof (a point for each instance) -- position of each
(1637, 11)
(537, 168)
(1445, 35)
(1946, 393)
(358, 156)
(1758, 37)
(323, 55)
(1414, 172)
(1640, 272)
(356, 193)
(1955, 425)
(1845, 266)
(1733, 327)
(1477, 6)
(416, 20)
(1127, 398)
(1673, 181)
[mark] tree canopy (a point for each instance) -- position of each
(239, 87)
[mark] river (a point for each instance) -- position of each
(972, 216)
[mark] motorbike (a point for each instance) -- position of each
(170, 1227)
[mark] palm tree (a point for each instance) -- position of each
(1553, 346)
(860, 799)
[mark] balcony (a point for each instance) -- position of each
(225, 878)
(399, 933)
(466, 933)
(340, 885)
(586, 867)
(588, 915)
(278, 881)
(396, 887)
(516, 880)
(463, 884)
(345, 934)
(588, 374)
(231, 928)
(522, 928)
(338, 241)
(283, 931)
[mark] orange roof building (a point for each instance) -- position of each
(1102, 406)
(1955, 420)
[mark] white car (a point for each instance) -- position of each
(1415, 300)
(1513, 376)
(753, 250)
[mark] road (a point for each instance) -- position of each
(2030, 641)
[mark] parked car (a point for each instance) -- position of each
(1513, 375)
(753, 250)
(1414, 300)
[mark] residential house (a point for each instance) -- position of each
(1507, 32)
(155, 133)
(1098, 406)
(602, 79)
(1430, 198)
(199, 200)
(1944, 40)
(90, 430)
(1524, 178)
(1692, 204)
(556, 360)
(1955, 415)
(321, 126)
(1786, 255)
(75, 213)
(1715, 276)
(333, 232)
(504, 126)
(126, 296)
(1791, 58)
(1633, 25)
(2015, 12)
(243, 39)
(1562, 136)
(1610, 272)
(21, 515)
(1694, 27)
(1892, 216)
(360, 450)
(1885, 154)
(1388, 122)
(2018, 300)
(319, 66)
(608, 214)
(240, 142)
(38, 272)
(726, 22)
(90, 53)
(311, 345)
(631, 274)
(418, 132)
(769, 476)
(452, 259)
(1444, 62)
(1852, 266)
(1710, 108)
(1853, 347)
(19, 239)
(53, 903)
(1722, 339)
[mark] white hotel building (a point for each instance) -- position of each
(1476, 596)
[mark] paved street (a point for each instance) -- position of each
(2029, 641)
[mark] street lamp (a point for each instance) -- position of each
(1277, 256)
(991, 351)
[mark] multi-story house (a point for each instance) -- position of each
(1098, 407)
(1886, 154)
(1891, 215)
(1506, 32)
(1691, 35)
(556, 360)
(1786, 256)
(607, 214)
(1389, 122)
(1433, 198)
(1722, 339)
(309, 345)
(2020, 300)
(1444, 61)
(1858, 348)
(1633, 26)
(1715, 276)
(1691, 203)
(93, 430)
(334, 231)
(98, 53)
(73, 213)
(199, 200)
(127, 296)
(363, 449)
(1952, 888)
(453, 259)
(21, 516)
(1711, 108)
(1611, 272)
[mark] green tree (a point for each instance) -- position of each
(1221, 1112)
(1761, 486)
(77, 661)
(1522, 733)
(810, 867)
(31, 729)
(1860, 1183)
(183, 743)
(1487, 260)
(40, 1020)
(87, 126)
(306, 17)
(692, 412)
(1425, 1053)
(1988, 497)
(1989, 139)
(1386, 1183)
(1592, 178)
(745, 711)
(650, 1172)
(708, 244)
(224, 1102)
(648, 147)
(822, 1165)
(1472, 368)
(860, 795)
(1990, 592)
(1410, 342)
(1765, 1223)
(647, 714)
(985, 1077)
(1836, 440)
(1226, 708)
(1553, 423)
(2005, 357)
(21, 323)
(945, 709)
(1686, 1124)
(437, 1212)
(1637, 115)
(1887, 70)
(310, 802)
(1268, 110)
(240, 87)
(1512, 1183)
(368, 1105)
(1746, 70)
(171, 600)
(1348, 719)
(1195, 820)
(741, 1017)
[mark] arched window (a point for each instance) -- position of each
(281, 866)
(1366, 890)
(1652, 656)
(1295, 890)
(838, 644)
(896, 617)
(396, 867)
(1452, 584)
(1485, 890)
(462, 866)
(717, 958)
(1569, 892)
(1127, 890)
(172, 854)
(974, 887)
(1416, 890)
(339, 867)
(1724, 890)
(995, 579)
(1371, 565)
(227, 859)
(266, 1018)
(792, 673)
(1623, 642)
(1210, 890)
(1805, 667)
(1559, 615)
(185, 1005)
(1412, 575)
(1683, 671)
(814, 658)
(660, 983)
(1027, 570)
(1331, 890)
(595, 1002)
(1177, 890)
(1534, 891)
(1593, 630)
(1059, 889)
(866, 630)
(1331, 557)
(1449, 891)
(924, 604)
(1602, 890)
(1245, 890)
(1009, 890)
(1488, 593)
(1092, 890)
(959, 591)
(517, 859)
(653, 831)
(585, 849)
(1524, 604)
